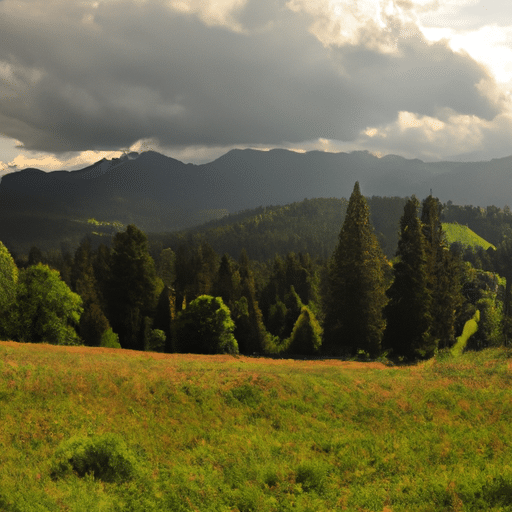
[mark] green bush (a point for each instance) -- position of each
(105, 457)
(311, 475)
(109, 339)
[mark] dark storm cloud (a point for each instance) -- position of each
(143, 71)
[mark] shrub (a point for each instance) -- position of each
(311, 475)
(105, 457)
(109, 339)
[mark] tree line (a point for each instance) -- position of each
(188, 299)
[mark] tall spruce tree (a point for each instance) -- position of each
(443, 269)
(356, 291)
(133, 287)
(408, 312)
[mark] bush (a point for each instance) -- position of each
(105, 457)
(109, 339)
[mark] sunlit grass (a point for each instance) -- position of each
(219, 433)
(462, 234)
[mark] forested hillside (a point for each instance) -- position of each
(310, 226)
(161, 194)
(163, 294)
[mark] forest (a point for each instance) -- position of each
(175, 293)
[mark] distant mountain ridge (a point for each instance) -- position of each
(159, 193)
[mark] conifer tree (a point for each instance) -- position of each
(133, 287)
(250, 332)
(93, 322)
(306, 337)
(356, 293)
(443, 275)
(227, 282)
(408, 312)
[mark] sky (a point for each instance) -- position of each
(82, 80)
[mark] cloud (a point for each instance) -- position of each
(103, 75)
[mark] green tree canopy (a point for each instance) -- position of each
(356, 291)
(8, 283)
(46, 311)
(133, 287)
(206, 327)
(408, 312)
(443, 268)
(306, 337)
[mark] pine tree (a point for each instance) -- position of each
(408, 312)
(227, 282)
(356, 293)
(306, 337)
(133, 287)
(250, 332)
(443, 275)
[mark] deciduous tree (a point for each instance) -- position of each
(46, 311)
(8, 283)
(206, 327)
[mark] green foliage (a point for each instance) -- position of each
(166, 267)
(306, 337)
(106, 457)
(93, 324)
(408, 312)
(46, 309)
(490, 326)
(133, 287)
(157, 339)
(443, 270)
(470, 328)
(206, 327)
(109, 339)
(356, 293)
(250, 332)
(503, 262)
(8, 284)
(196, 267)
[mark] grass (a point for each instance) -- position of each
(462, 234)
(219, 433)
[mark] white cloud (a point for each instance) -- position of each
(207, 75)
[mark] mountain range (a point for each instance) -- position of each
(159, 193)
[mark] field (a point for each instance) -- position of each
(465, 236)
(88, 429)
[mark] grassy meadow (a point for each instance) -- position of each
(457, 233)
(85, 429)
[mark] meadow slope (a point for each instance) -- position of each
(223, 433)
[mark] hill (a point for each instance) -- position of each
(465, 236)
(311, 226)
(100, 429)
(159, 193)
